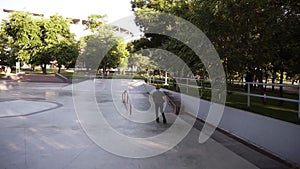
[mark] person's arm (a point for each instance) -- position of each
(164, 96)
(151, 97)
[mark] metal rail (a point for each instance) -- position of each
(248, 94)
(125, 99)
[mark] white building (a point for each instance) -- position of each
(77, 25)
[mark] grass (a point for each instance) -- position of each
(286, 111)
(38, 71)
(2, 75)
(67, 73)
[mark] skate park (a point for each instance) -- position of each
(41, 129)
(149, 84)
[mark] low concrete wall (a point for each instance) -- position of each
(278, 137)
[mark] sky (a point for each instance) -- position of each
(114, 9)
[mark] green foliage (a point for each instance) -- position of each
(141, 62)
(58, 42)
(103, 50)
(95, 22)
(248, 34)
(5, 58)
(38, 40)
(22, 33)
(65, 53)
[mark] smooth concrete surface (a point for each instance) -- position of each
(28, 107)
(278, 137)
(39, 128)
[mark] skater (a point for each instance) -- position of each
(159, 99)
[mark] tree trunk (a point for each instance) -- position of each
(281, 82)
(43, 66)
(104, 71)
(59, 67)
(260, 86)
(255, 80)
(242, 78)
(266, 76)
(248, 78)
(273, 79)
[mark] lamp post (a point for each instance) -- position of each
(166, 78)
(18, 67)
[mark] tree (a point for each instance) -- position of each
(22, 35)
(38, 40)
(249, 35)
(4, 46)
(103, 50)
(142, 62)
(65, 53)
(170, 27)
(141, 58)
(95, 22)
(65, 50)
(58, 42)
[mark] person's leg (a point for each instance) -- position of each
(156, 113)
(161, 107)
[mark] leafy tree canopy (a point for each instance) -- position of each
(248, 34)
(38, 40)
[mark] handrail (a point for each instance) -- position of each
(169, 100)
(125, 96)
(248, 94)
(125, 99)
(272, 97)
(267, 97)
(272, 84)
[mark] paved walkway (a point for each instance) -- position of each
(39, 128)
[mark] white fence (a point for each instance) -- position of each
(186, 82)
(249, 94)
